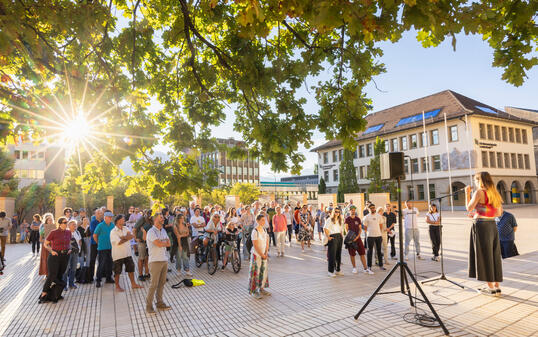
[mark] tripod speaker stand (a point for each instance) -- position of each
(442, 276)
(392, 168)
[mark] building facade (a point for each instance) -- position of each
(442, 157)
(232, 171)
(311, 179)
(40, 163)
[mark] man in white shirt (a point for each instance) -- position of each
(197, 224)
(373, 224)
(410, 214)
(157, 241)
(121, 252)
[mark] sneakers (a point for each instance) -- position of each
(98, 284)
(382, 268)
(354, 271)
(435, 258)
(488, 291)
(497, 291)
(368, 271)
(163, 306)
(257, 295)
(340, 273)
(331, 274)
(150, 310)
(265, 292)
(419, 257)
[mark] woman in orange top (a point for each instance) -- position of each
(485, 262)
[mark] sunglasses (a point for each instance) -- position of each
(337, 212)
(63, 223)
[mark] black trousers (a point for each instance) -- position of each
(334, 251)
(104, 269)
(435, 237)
(271, 234)
(377, 241)
(93, 257)
(290, 232)
(392, 245)
(34, 239)
(56, 266)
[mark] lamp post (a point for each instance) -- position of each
(274, 184)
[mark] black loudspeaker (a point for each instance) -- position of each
(391, 165)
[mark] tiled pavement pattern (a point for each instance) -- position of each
(305, 302)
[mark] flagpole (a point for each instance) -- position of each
(468, 134)
(449, 171)
(427, 160)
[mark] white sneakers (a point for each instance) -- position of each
(354, 271)
(331, 274)
(368, 271)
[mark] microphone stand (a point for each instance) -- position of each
(443, 276)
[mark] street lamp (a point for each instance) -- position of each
(274, 184)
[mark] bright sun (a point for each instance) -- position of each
(77, 129)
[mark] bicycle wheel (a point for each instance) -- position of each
(198, 257)
(212, 261)
(236, 260)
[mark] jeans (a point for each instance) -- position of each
(412, 234)
(93, 257)
(435, 237)
(280, 241)
(290, 232)
(182, 259)
(84, 257)
(104, 269)
(69, 275)
(23, 236)
(157, 271)
(378, 242)
(56, 265)
(334, 252)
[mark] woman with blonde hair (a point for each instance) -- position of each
(485, 263)
(47, 226)
(334, 228)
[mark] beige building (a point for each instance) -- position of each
(232, 171)
(476, 137)
(40, 163)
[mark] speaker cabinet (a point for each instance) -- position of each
(392, 165)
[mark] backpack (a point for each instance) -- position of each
(186, 282)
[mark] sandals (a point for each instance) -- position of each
(490, 291)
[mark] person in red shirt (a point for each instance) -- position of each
(280, 225)
(353, 223)
(58, 243)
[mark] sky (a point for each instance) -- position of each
(414, 72)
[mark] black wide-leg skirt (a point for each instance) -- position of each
(485, 262)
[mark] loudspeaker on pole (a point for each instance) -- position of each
(391, 165)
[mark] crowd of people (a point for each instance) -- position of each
(71, 246)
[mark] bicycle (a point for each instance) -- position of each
(235, 256)
(206, 254)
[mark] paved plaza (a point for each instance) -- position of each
(304, 301)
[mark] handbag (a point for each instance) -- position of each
(325, 240)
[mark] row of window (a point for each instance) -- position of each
(30, 174)
(29, 155)
(505, 160)
(241, 170)
(403, 143)
(421, 192)
(233, 181)
(502, 133)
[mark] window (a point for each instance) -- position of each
(432, 191)
(335, 159)
(485, 159)
(362, 172)
(492, 160)
(406, 166)
(420, 189)
(507, 160)
(497, 133)
(256, 171)
(524, 136)
(414, 165)
(228, 170)
(490, 131)
(527, 162)
(520, 161)
(504, 134)
(325, 157)
(423, 139)
(434, 137)
(418, 117)
(423, 163)
(436, 163)
(340, 154)
(499, 160)
(387, 147)
(413, 141)
(24, 154)
(369, 150)
(454, 191)
(485, 109)
(234, 169)
(511, 135)
(453, 130)
(514, 160)
(326, 175)
(335, 175)
(367, 170)
(410, 193)
(361, 151)
(374, 128)
(394, 145)
(518, 135)
(17, 154)
(251, 171)
(403, 141)
(355, 154)
(482, 129)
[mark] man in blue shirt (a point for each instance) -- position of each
(101, 235)
(97, 218)
(507, 226)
